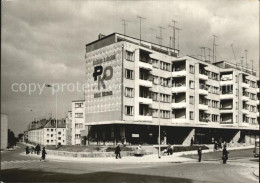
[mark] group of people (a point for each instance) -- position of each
(36, 150)
(224, 154)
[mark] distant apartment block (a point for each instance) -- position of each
(43, 132)
(134, 86)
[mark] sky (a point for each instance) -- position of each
(44, 42)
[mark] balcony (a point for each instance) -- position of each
(203, 107)
(204, 120)
(245, 98)
(179, 120)
(245, 111)
(226, 83)
(244, 124)
(203, 77)
(179, 89)
(179, 73)
(145, 65)
(203, 90)
(147, 101)
(144, 118)
(226, 110)
(146, 83)
(226, 96)
(245, 85)
(180, 105)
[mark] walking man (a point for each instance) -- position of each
(225, 155)
(43, 154)
(191, 141)
(199, 153)
(117, 151)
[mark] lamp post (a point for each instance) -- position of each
(56, 121)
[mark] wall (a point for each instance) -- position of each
(4, 131)
(103, 100)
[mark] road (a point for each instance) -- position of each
(18, 168)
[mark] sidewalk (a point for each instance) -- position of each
(152, 158)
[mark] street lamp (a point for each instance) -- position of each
(56, 122)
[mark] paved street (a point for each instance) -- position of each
(18, 168)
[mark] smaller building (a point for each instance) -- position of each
(4, 131)
(75, 122)
(43, 132)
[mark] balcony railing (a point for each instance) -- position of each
(204, 120)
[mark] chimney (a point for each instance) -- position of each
(100, 36)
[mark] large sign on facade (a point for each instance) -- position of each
(103, 84)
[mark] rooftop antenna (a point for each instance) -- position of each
(141, 18)
(214, 48)
(216, 52)
(209, 50)
(161, 28)
(234, 53)
(170, 42)
(242, 67)
(252, 61)
(178, 29)
(153, 30)
(246, 59)
(173, 32)
(124, 25)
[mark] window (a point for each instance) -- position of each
(155, 63)
(155, 80)
(209, 74)
(79, 105)
(155, 96)
(165, 66)
(129, 92)
(129, 74)
(59, 133)
(191, 69)
(192, 100)
(77, 136)
(214, 76)
(253, 120)
(165, 114)
(78, 115)
(214, 104)
(191, 84)
(165, 98)
(78, 125)
(51, 135)
(129, 110)
(47, 141)
(191, 115)
(165, 82)
(48, 135)
(214, 117)
(209, 103)
(52, 130)
(48, 129)
(59, 138)
(155, 113)
(129, 56)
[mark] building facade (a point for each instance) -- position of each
(134, 86)
(43, 132)
(4, 131)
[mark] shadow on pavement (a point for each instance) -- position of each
(18, 175)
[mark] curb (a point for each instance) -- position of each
(256, 172)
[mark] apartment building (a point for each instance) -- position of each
(43, 132)
(134, 86)
(75, 121)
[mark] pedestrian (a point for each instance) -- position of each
(38, 149)
(225, 155)
(32, 149)
(199, 154)
(216, 146)
(191, 141)
(43, 154)
(27, 150)
(117, 151)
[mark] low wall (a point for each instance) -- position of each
(91, 154)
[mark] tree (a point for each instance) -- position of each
(11, 139)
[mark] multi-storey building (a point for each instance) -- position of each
(75, 122)
(134, 86)
(43, 132)
(4, 131)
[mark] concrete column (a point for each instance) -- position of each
(187, 140)
(236, 137)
